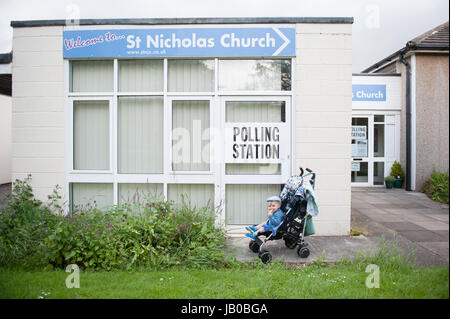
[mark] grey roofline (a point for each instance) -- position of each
(409, 47)
(166, 21)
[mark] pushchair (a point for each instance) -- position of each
(297, 220)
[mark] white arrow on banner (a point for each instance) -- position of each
(285, 44)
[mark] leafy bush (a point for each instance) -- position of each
(153, 234)
(389, 178)
(436, 187)
(397, 170)
(24, 223)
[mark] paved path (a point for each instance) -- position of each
(417, 223)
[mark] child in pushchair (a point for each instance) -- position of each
(296, 205)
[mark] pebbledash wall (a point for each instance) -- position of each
(314, 113)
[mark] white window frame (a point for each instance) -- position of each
(216, 174)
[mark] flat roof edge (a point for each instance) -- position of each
(376, 74)
(167, 21)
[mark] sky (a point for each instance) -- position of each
(380, 27)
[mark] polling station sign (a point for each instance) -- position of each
(369, 92)
(254, 143)
(180, 42)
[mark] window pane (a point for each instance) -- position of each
(141, 134)
(92, 76)
(378, 173)
(190, 134)
(254, 75)
(246, 204)
(191, 75)
(253, 169)
(362, 175)
(196, 195)
(85, 195)
(378, 142)
(140, 193)
(91, 135)
(256, 111)
(141, 75)
(379, 118)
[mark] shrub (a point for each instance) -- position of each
(153, 234)
(389, 178)
(24, 223)
(436, 187)
(397, 170)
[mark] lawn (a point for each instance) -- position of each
(271, 281)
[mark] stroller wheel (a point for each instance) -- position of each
(303, 252)
(266, 257)
(290, 243)
(253, 245)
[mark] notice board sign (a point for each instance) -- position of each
(359, 149)
(255, 142)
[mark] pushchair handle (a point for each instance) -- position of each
(301, 171)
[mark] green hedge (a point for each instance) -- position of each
(151, 234)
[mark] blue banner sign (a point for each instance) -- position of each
(369, 92)
(176, 42)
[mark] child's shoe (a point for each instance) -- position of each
(251, 229)
(250, 235)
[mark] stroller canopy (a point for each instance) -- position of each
(293, 187)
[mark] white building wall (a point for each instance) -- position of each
(323, 105)
(5, 139)
(38, 108)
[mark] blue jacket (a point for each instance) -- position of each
(275, 220)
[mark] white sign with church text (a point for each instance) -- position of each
(255, 142)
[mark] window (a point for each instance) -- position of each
(254, 75)
(152, 133)
(252, 199)
(139, 193)
(92, 76)
(190, 135)
(195, 195)
(191, 75)
(91, 135)
(140, 137)
(84, 195)
(141, 75)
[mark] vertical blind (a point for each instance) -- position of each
(91, 135)
(141, 75)
(190, 145)
(246, 204)
(98, 195)
(92, 76)
(140, 193)
(141, 134)
(195, 195)
(191, 75)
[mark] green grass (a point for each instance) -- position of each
(343, 280)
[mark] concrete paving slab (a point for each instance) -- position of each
(441, 217)
(421, 236)
(403, 226)
(439, 248)
(434, 225)
(442, 233)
